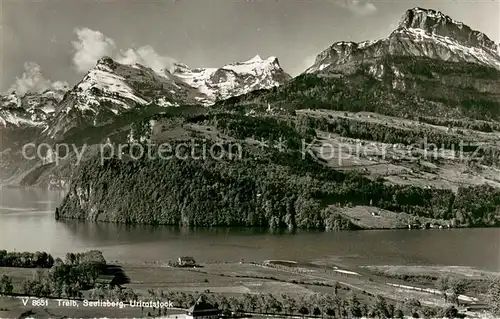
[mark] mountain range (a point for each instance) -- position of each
(432, 80)
(420, 33)
(110, 87)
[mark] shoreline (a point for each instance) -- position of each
(362, 217)
(269, 229)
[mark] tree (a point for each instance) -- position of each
(412, 305)
(398, 314)
(457, 287)
(289, 304)
(494, 296)
(354, 306)
(70, 258)
(450, 312)
(391, 310)
(303, 311)
(429, 312)
(379, 308)
(6, 286)
(443, 284)
(337, 287)
(316, 312)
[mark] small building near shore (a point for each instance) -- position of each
(186, 261)
(202, 310)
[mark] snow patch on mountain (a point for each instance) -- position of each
(466, 53)
(14, 119)
(28, 109)
(107, 83)
(233, 79)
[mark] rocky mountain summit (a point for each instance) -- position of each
(421, 33)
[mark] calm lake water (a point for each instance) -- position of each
(27, 224)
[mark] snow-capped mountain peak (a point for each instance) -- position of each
(111, 88)
(29, 109)
(421, 33)
(233, 79)
(436, 23)
(256, 58)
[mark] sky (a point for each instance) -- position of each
(53, 43)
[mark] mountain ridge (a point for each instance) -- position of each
(235, 78)
(421, 33)
(436, 22)
(110, 88)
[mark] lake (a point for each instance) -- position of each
(27, 224)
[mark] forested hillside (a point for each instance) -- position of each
(417, 103)
(265, 187)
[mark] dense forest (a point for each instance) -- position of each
(264, 188)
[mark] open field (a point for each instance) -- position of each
(368, 217)
(460, 271)
(217, 278)
(491, 138)
(18, 275)
(239, 278)
(277, 278)
(396, 165)
(445, 169)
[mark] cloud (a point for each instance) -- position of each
(146, 56)
(33, 81)
(358, 7)
(90, 47)
(93, 45)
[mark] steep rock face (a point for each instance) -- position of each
(435, 22)
(110, 89)
(421, 33)
(233, 79)
(22, 120)
(30, 109)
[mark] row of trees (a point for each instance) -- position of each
(338, 305)
(494, 296)
(422, 137)
(26, 259)
(481, 126)
(350, 305)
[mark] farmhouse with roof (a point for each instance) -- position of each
(202, 310)
(186, 262)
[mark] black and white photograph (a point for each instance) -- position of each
(206, 159)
